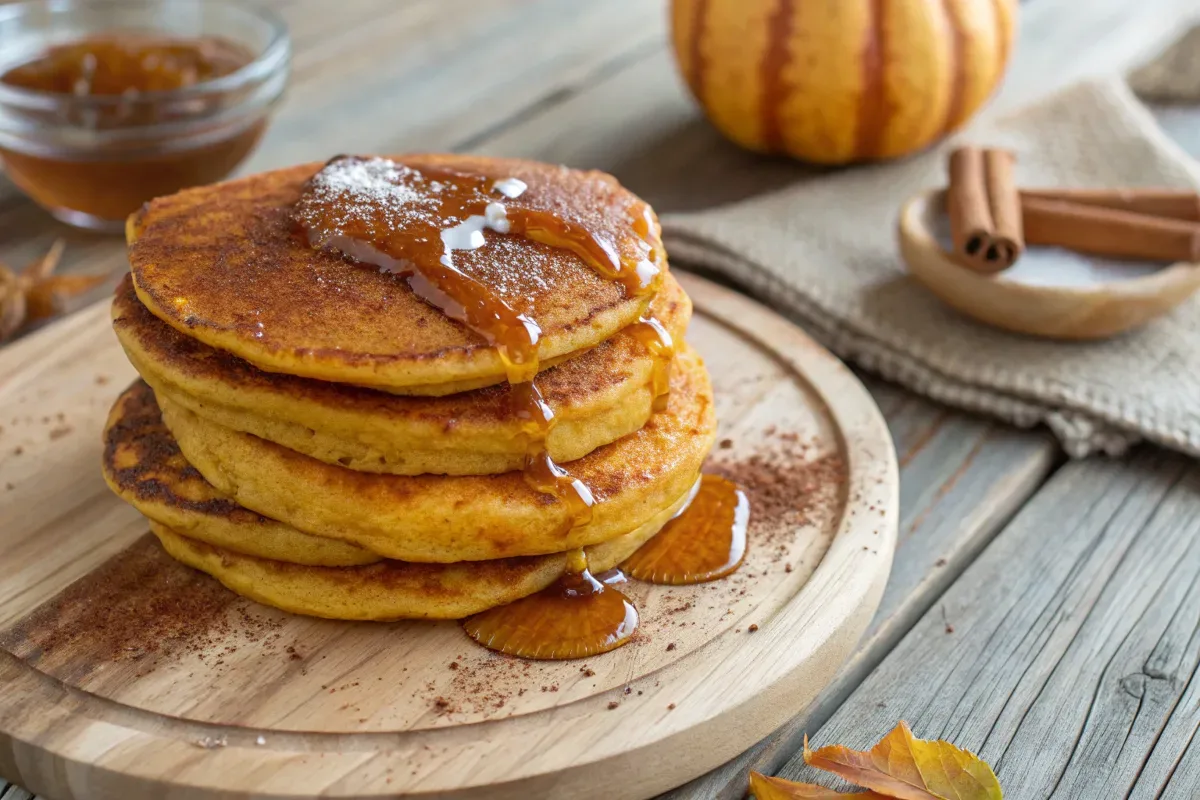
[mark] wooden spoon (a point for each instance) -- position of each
(1097, 297)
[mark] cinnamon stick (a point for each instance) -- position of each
(970, 213)
(1008, 238)
(1109, 232)
(1173, 203)
(984, 209)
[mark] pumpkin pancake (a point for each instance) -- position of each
(226, 265)
(596, 398)
(396, 589)
(463, 518)
(143, 466)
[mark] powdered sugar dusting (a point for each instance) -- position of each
(468, 234)
(512, 188)
(358, 189)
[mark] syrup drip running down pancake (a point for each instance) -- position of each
(412, 223)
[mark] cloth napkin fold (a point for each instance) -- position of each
(824, 252)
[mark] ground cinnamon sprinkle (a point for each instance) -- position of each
(788, 483)
(485, 686)
(140, 607)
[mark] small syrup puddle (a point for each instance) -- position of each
(705, 541)
(581, 615)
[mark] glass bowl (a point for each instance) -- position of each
(93, 159)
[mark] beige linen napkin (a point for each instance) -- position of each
(824, 251)
(1173, 77)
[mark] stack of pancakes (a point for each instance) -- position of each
(318, 438)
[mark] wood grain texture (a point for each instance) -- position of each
(1067, 654)
(372, 710)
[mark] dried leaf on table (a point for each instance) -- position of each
(12, 303)
(44, 267)
(48, 298)
(37, 293)
(905, 767)
(766, 788)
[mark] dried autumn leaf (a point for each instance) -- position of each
(37, 293)
(12, 303)
(44, 267)
(49, 297)
(907, 768)
(765, 788)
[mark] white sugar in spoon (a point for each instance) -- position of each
(1049, 292)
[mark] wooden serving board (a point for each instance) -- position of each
(124, 674)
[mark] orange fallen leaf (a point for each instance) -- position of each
(765, 788)
(907, 768)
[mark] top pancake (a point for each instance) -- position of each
(226, 265)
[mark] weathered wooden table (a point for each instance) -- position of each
(1041, 613)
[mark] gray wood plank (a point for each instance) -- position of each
(1068, 651)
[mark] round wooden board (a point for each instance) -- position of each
(248, 701)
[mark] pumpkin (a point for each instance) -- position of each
(838, 81)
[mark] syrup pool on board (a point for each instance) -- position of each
(580, 615)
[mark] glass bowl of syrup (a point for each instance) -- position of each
(105, 104)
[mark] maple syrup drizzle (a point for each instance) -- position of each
(657, 340)
(541, 471)
(704, 541)
(580, 615)
(412, 222)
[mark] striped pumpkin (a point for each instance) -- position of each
(837, 81)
